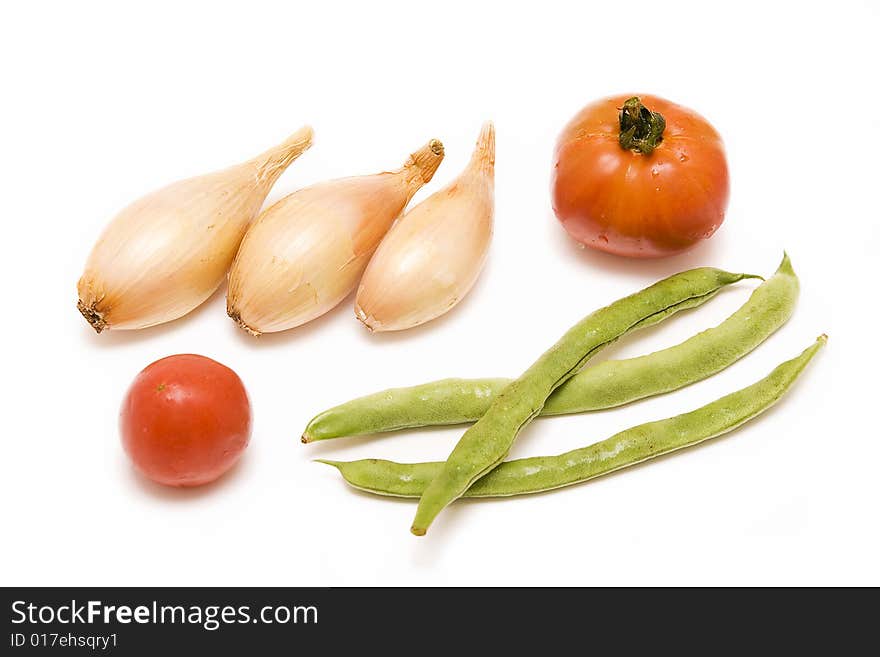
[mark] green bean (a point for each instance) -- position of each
(606, 385)
(449, 401)
(485, 444)
(635, 445)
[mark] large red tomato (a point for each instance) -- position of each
(640, 177)
(185, 420)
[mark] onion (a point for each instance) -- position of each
(169, 251)
(434, 254)
(306, 253)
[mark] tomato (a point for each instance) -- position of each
(640, 177)
(185, 420)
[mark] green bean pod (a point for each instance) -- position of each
(606, 385)
(449, 401)
(629, 447)
(485, 444)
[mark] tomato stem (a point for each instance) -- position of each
(641, 130)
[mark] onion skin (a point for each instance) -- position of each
(167, 252)
(433, 255)
(307, 252)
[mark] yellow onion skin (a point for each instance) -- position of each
(433, 255)
(307, 252)
(167, 252)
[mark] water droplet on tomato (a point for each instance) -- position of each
(682, 157)
(655, 172)
(603, 239)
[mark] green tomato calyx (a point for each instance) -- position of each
(641, 130)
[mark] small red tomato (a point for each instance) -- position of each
(185, 420)
(639, 177)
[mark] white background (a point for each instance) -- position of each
(104, 102)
